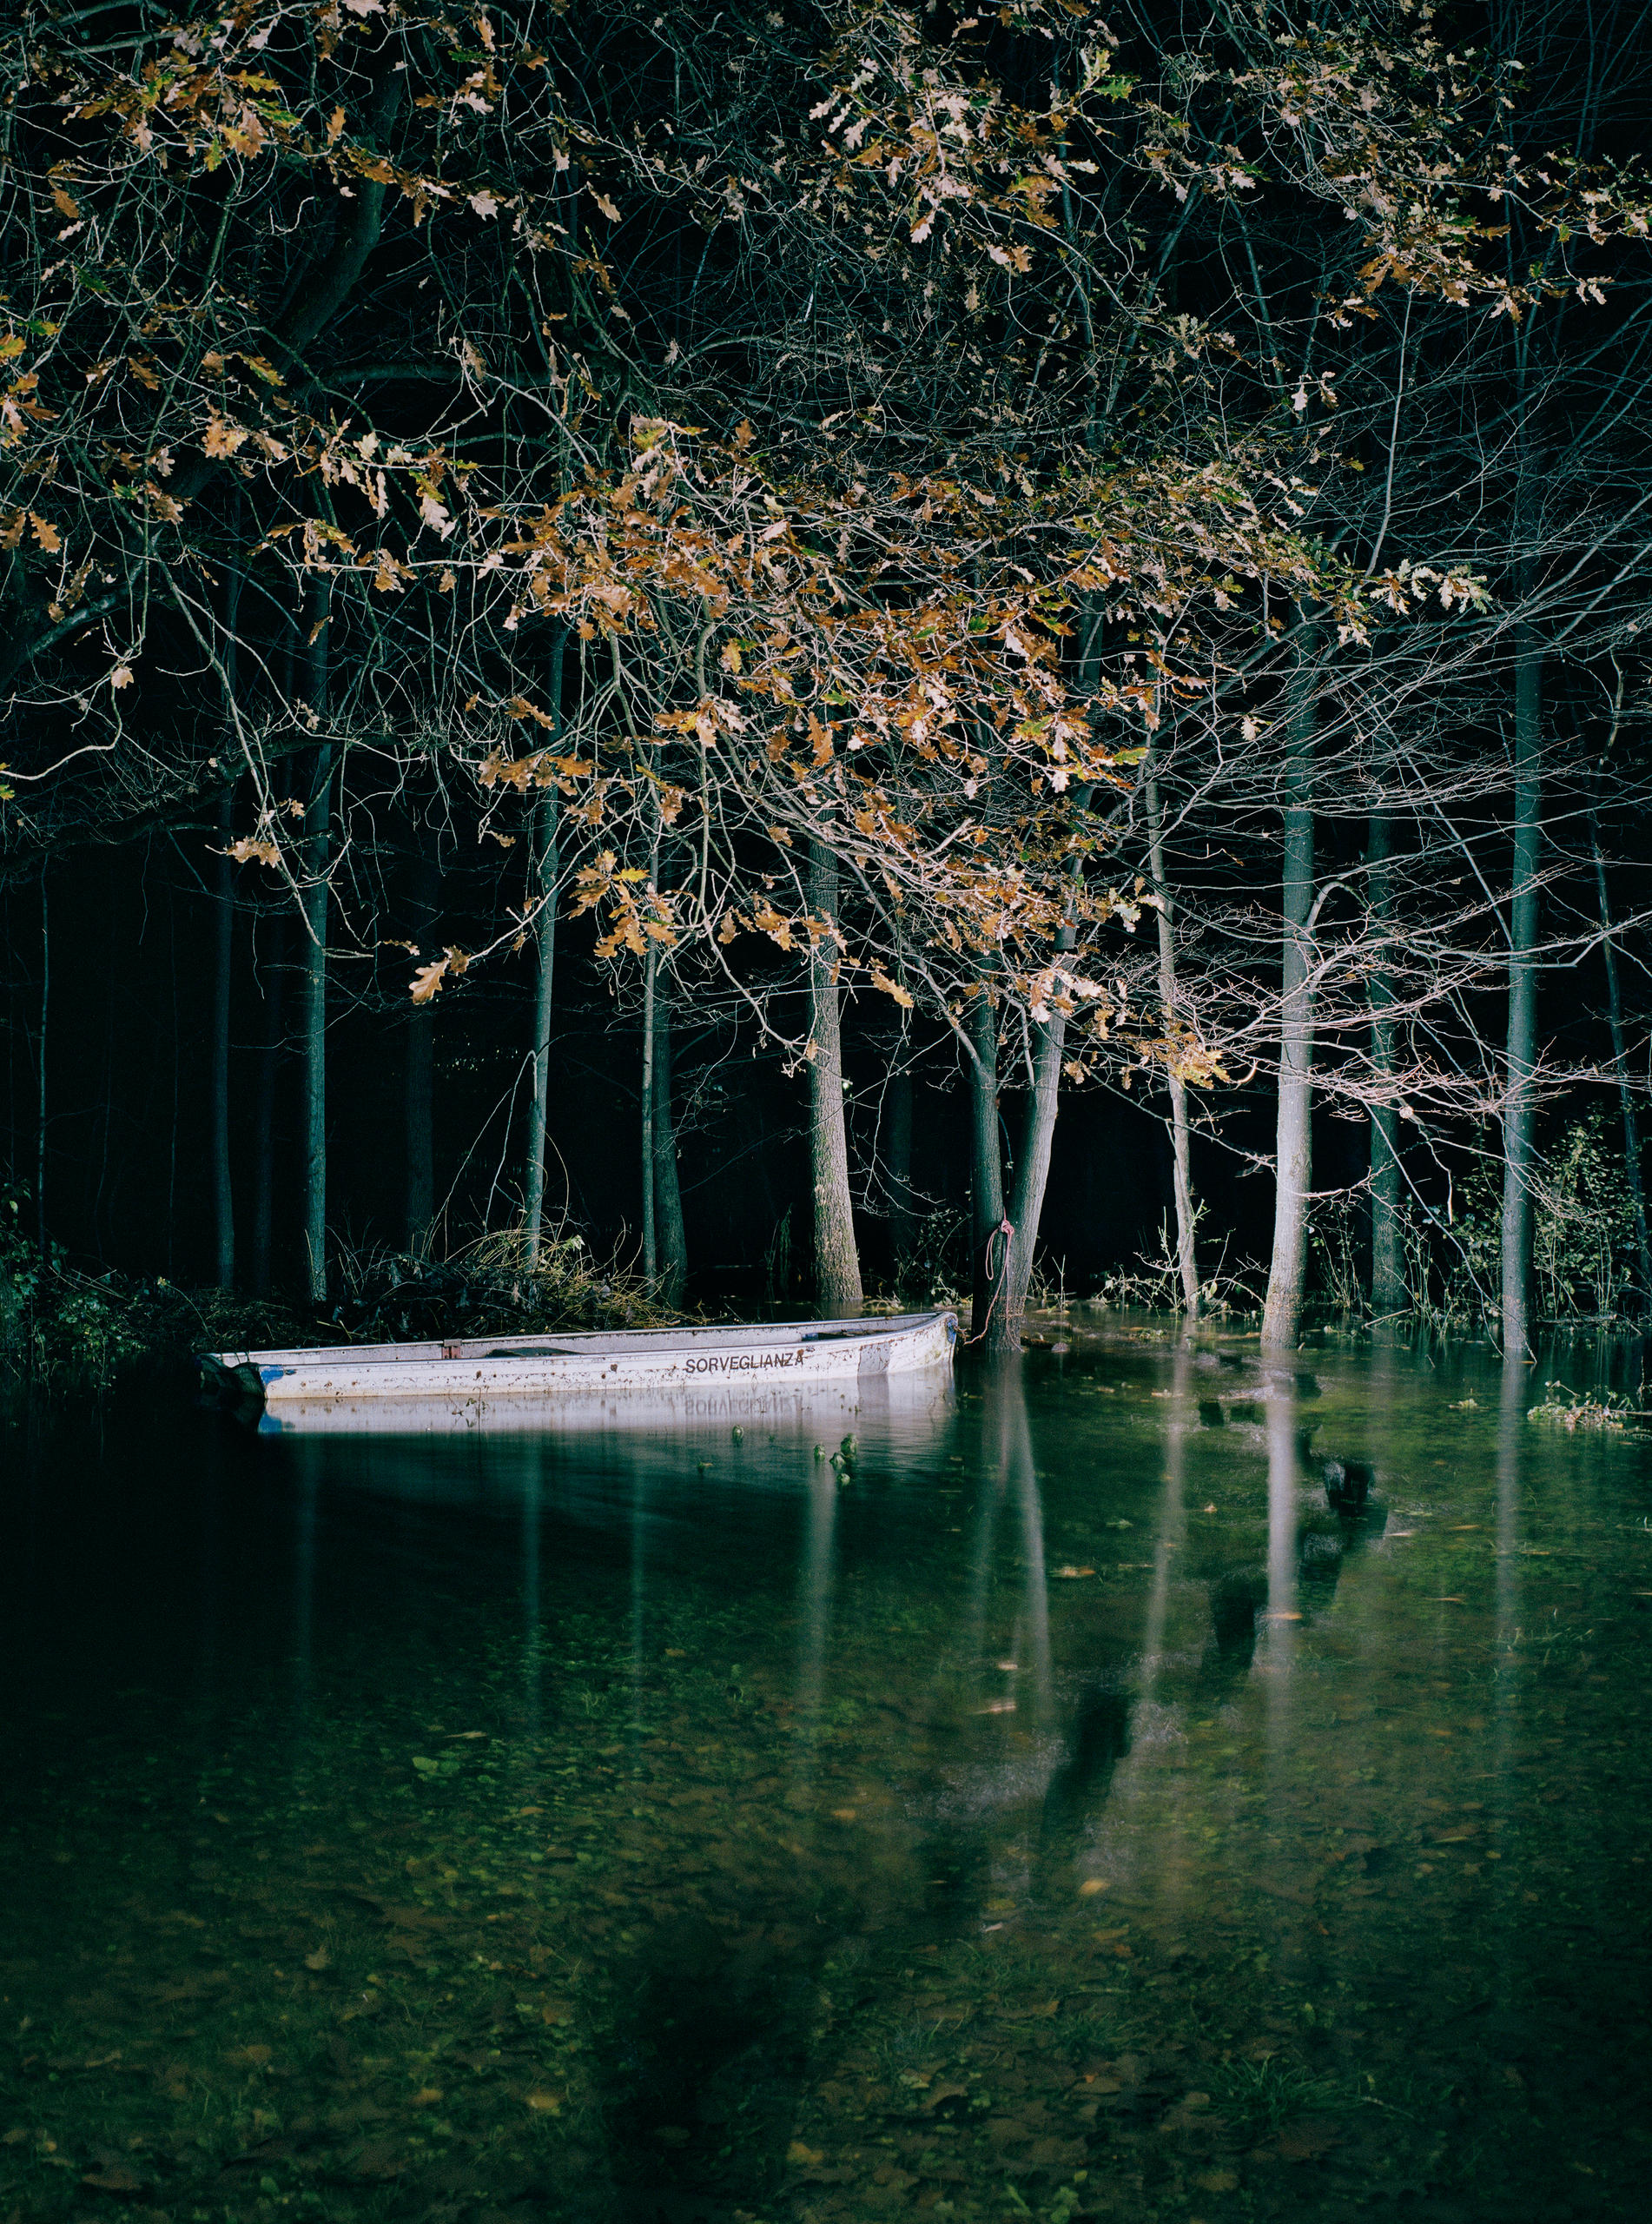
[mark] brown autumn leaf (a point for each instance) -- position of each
(427, 980)
(46, 533)
(250, 846)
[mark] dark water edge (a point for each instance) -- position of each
(1057, 1808)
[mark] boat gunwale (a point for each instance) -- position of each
(583, 1343)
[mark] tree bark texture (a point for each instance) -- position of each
(40, 1072)
(269, 1066)
(837, 1266)
(548, 867)
(224, 1196)
(317, 860)
(902, 1217)
(1621, 1067)
(1186, 1266)
(419, 1079)
(1294, 1179)
(1519, 1104)
(1032, 1177)
(651, 1234)
(668, 1193)
(1388, 1292)
(988, 1242)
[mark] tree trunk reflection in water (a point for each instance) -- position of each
(816, 1583)
(1007, 1457)
(1284, 1613)
(310, 1456)
(533, 1493)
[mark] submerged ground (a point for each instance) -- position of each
(1052, 1808)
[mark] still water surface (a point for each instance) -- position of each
(1054, 1808)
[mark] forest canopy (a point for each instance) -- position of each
(1087, 553)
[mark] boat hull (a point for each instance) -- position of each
(480, 1371)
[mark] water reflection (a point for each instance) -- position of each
(1096, 1793)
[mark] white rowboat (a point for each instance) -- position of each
(478, 1369)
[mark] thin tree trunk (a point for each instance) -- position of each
(1519, 1100)
(419, 1098)
(988, 1241)
(1621, 1067)
(548, 861)
(668, 1194)
(1282, 1313)
(1181, 1151)
(223, 1195)
(264, 1127)
(900, 1157)
(45, 1019)
(222, 1192)
(1388, 1291)
(650, 1236)
(420, 1119)
(1031, 1177)
(318, 828)
(837, 1267)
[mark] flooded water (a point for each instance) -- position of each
(1052, 1807)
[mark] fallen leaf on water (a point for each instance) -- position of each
(116, 2179)
(545, 2104)
(320, 1959)
(1074, 1572)
(844, 1814)
(426, 2096)
(1092, 1885)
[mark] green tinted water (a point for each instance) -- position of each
(1054, 1809)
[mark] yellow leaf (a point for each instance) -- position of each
(806, 2158)
(426, 2096)
(335, 126)
(46, 533)
(545, 2104)
(605, 205)
(320, 1959)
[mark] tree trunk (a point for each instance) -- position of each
(1282, 1314)
(222, 1192)
(1181, 1152)
(45, 1018)
(1520, 1091)
(668, 1194)
(546, 844)
(988, 1242)
(1388, 1291)
(1620, 1065)
(902, 1217)
(264, 1119)
(419, 1099)
(224, 1197)
(651, 1234)
(1032, 1175)
(318, 859)
(837, 1267)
